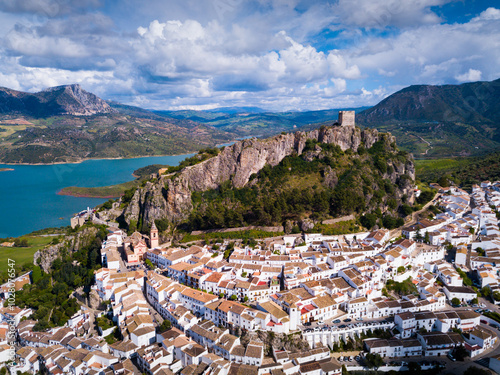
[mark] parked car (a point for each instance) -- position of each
(321, 322)
(347, 320)
(482, 305)
(360, 319)
(336, 321)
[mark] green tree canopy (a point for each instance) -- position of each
(374, 360)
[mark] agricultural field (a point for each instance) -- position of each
(23, 255)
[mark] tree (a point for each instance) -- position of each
(149, 264)
(233, 297)
(427, 238)
(475, 301)
(36, 274)
(221, 295)
(460, 353)
(455, 301)
(473, 370)
(165, 326)
(406, 209)
(21, 242)
(485, 291)
(444, 182)
(368, 220)
(418, 235)
(401, 269)
(374, 360)
(414, 367)
(496, 296)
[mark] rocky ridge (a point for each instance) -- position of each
(170, 196)
(60, 100)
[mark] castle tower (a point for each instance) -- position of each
(346, 118)
(154, 241)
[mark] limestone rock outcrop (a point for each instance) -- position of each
(46, 256)
(170, 196)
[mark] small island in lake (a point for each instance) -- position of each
(6, 169)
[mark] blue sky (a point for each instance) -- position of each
(279, 55)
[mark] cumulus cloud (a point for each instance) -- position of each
(471, 76)
(281, 55)
(488, 14)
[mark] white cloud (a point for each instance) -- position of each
(488, 14)
(273, 53)
(431, 54)
(339, 67)
(382, 13)
(471, 76)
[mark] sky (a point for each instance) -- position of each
(279, 55)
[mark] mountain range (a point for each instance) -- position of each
(67, 124)
(473, 103)
(60, 100)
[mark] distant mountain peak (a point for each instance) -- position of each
(59, 100)
(473, 102)
(71, 87)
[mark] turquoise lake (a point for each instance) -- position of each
(28, 194)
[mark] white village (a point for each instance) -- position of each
(285, 306)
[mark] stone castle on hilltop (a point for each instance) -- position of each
(346, 118)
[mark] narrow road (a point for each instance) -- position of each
(428, 144)
(398, 231)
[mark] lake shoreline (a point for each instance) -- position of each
(30, 194)
(78, 195)
(87, 159)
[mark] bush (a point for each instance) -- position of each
(21, 242)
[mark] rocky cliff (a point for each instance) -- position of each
(71, 243)
(170, 196)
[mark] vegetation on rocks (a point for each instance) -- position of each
(321, 183)
(49, 294)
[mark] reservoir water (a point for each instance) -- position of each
(28, 194)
